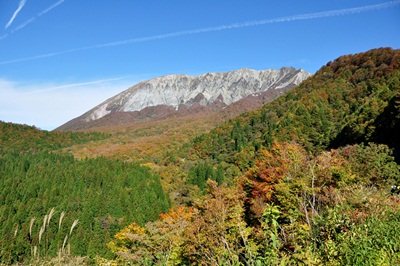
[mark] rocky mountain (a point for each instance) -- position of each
(179, 94)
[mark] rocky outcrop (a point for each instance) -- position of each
(177, 93)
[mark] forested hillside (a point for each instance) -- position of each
(42, 193)
(23, 138)
(305, 180)
(354, 99)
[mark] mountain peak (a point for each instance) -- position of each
(183, 91)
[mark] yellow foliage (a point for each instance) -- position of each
(133, 228)
(105, 262)
(123, 239)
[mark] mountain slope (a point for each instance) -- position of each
(182, 94)
(341, 104)
(23, 138)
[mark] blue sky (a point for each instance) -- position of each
(60, 58)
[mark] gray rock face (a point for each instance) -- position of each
(178, 90)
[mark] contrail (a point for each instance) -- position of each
(332, 13)
(22, 25)
(44, 11)
(20, 6)
(29, 21)
(73, 85)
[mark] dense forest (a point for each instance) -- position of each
(304, 180)
(42, 193)
(24, 138)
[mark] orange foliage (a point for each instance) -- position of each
(281, 163)
(181, 213)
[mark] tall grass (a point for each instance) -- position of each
(46, 235)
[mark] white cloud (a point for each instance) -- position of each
(20, 6)
(48, 106)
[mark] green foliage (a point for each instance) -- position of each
(387, 124)
(104, 195)
(270, 226)
(23, 138)
(374, 241)
(200, 173)
(373, 163)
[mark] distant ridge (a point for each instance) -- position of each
(182, 94)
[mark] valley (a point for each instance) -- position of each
(296, 174)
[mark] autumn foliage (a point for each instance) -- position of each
(304, 180)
